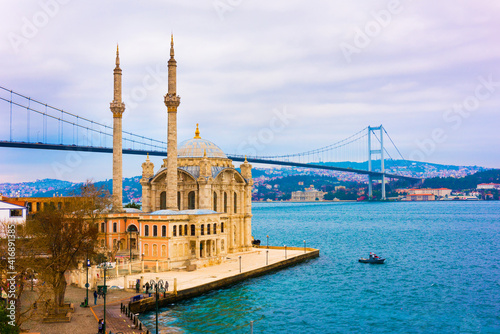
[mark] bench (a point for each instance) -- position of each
(136, 298)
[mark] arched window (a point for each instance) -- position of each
(180, 230)
(235, 202)
(132, 228)
(179, 200)
(103, 227)
(221, 227)
(163, 231)
(193, 230)
(202, 229)
(146, 250)
(146, 230)
(185, 229)
(155, 231)
(191, 200)
(215, 228)
(225, 202)
(163, 200)
(114, 228)
(215, 201)
(174, 232)
(208, 228)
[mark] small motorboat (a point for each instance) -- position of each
(373, 259)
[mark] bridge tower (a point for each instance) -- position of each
(172, 101)
(372, 152)
(117, 108)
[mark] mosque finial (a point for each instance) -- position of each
(117, 56)
(197, 132)
(147, 158)
(246, 158)
(172, 46)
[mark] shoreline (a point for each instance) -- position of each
(228, 277)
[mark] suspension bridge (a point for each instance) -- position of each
(33, 124)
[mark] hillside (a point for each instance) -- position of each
(464, 183)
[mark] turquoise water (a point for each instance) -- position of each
(442, 273)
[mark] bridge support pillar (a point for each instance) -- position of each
(372, 152)
(383, 187)
(370, 187)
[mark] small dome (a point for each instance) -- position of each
(196, 147)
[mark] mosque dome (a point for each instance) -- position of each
(196, 147)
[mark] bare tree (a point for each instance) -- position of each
(17, 263)
(64, 237)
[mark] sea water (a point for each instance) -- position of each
(442, 273)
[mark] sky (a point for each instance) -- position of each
(259, 77)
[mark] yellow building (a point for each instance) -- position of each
(196, 208)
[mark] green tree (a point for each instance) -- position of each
(132, 205)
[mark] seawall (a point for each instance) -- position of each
(148, 304)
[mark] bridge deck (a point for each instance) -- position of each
(43, 146)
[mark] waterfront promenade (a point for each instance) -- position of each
(85, 320)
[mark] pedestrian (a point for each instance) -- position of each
(101, 326)
(137, 286)
(147, 287)
(95, 297)
(166, 285)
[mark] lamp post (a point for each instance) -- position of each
(159, 287)
(240, 263)
(32, 273)
(267, 236)
(104, 266)
(285, 251)
(304, 246)
(87, 283)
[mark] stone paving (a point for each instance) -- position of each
(84, 320)
(116, 321)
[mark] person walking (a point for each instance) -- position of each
(101, 326)
(95, 297)
(147, 287)
(137, 286)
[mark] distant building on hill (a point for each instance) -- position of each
(485, 186)
(420, 197)
(309, 195)
(438, 192)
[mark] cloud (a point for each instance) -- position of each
(234, 69)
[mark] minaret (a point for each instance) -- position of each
(172, 101)
(117, 108)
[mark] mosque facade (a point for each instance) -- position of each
(196, 207)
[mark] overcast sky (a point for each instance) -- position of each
(296, 75)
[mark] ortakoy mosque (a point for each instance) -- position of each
(196, 208)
